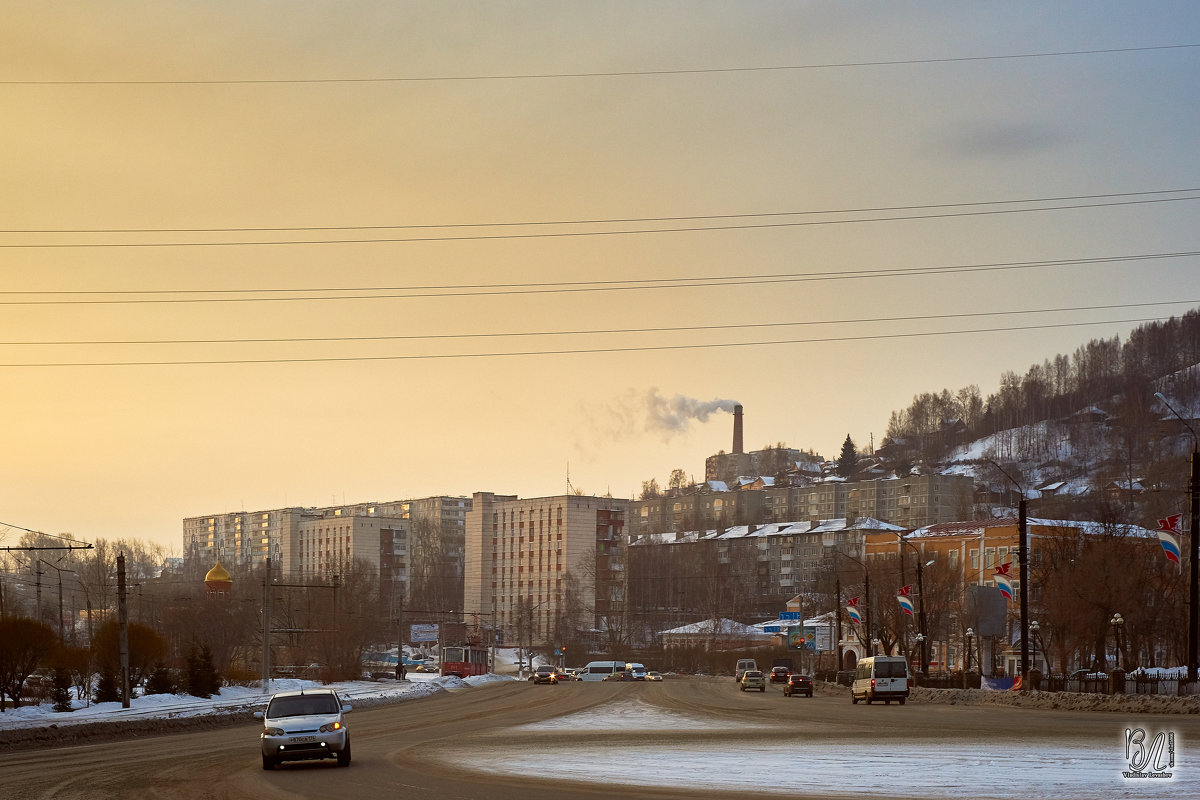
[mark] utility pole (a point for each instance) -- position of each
(123, 621)
(1193, 553)
(837, 609)
(266, 653)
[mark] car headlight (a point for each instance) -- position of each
(273, 732)
(330, 727)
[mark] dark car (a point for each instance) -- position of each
(545, 674)
(798, 684)
(780, 674)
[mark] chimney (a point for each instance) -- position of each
(737, 429)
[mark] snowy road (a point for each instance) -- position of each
(684, 738)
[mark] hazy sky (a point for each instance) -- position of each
(508, 164)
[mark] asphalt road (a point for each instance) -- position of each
(417, 748)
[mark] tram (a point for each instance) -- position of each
(465, 660)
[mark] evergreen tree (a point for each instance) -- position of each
(848, 460)
(161, 680)
(202, 677)
(107, 690)
(61, 691)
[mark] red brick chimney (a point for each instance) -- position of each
(737, 429)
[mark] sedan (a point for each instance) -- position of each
(798, 684)
(753, 679)
(654, 676)
(780, 674)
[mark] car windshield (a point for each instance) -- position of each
(302, 705)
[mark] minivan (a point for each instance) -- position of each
(880, 678)
(744, 665)
(599, 670)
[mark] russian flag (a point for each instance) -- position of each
(1170, 546)
(1004, 584)
(852, 610)
(904, 596)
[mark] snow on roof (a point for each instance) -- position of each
(872, 524)
(717, 486)
(724, 627)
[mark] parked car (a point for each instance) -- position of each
(753, 679)
(303, 725)
(780, 674)
(545, 674)
(654, 676)
(798, 684)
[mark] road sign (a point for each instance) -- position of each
(790, 615)
(423, 633)
(772, 629)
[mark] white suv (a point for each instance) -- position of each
(303, 725)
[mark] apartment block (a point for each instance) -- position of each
(518, 554)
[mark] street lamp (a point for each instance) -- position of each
(970, 637)
(875, 646)
(1117, 623)
(1193, 559)
(1023, 559)
(1034, 628)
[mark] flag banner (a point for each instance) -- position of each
(852, 610)
(1170, 546)
(904, 597)
(1170, 524)
(1004, 584)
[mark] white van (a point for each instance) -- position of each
(744, 665)
(599, 670)
(880, 678)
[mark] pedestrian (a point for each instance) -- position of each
(403, 671)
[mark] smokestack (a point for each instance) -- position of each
(737, 429)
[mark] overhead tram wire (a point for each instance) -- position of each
(571, 351)
(599, 332)
(90, 297)
(611, 74)
(578, 234)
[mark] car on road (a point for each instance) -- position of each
(638, 670)
(654, 676)
(780, 674)
(880, 678)
(798, 684)
(744, 665)
(545, 674)
(753, 679)
(623, 675)
(303, 725)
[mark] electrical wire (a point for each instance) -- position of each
(565, 287)
(596, 332)
(572, 351)
(612, 74)
(578, 234)
(606, 220)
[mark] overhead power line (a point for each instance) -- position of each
(594, 332)
(585, 233)
(604, 220)
(572, 351)
(606, 74)
(140, 297)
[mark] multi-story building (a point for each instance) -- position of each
(909, 502)
(519, 553)
(322, 542)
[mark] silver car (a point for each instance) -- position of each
(304, 725)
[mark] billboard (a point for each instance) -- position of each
(423, 633)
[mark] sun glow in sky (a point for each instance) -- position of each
(269, 254)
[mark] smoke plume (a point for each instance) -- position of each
(674, 415)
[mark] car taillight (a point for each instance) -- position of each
(872, 683)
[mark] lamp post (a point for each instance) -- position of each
(866, 584)
(921, 632)
(1117, 623)
(1023, 558)
(875, 646)
(1034, 628)
(1194, 587)
(970, 636)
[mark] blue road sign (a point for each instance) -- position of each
(790, 615)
